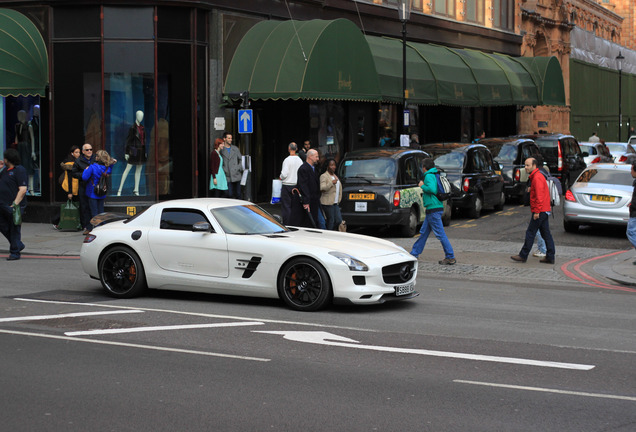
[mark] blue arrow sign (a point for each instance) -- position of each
(245, 121)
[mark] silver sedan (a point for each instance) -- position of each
(600, 195)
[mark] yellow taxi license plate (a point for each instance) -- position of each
(604, 198)
(362, 196)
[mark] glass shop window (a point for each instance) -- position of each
(327, 129)
(22, 132)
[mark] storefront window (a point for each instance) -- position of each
(327, 129)
(387, 125)
(22, 132)
(129, 123)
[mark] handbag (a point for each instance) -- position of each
(17, 215)
(69, 217)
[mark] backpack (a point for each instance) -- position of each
(101, 188)
(443, 188)
(554, 187)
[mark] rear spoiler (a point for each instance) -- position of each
(104, 218)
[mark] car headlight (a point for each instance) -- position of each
(353, 263)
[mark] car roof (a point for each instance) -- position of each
(505, 140)
(382, 152)
(456, 147)
(201, 203)
(547, 136)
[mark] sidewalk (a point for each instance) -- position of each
(43, 239)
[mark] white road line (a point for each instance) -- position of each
(68, 315)
(129, 345)
(159, 328)
(199, 314)
(548, 390)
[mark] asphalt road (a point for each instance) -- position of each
(482, 354)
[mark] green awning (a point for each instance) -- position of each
(548, 72)
(24, 65)
(314, 59)
(343, 64)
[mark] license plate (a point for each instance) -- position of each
(360, 206)
(404, 289)
(361, 196)
(604, 198)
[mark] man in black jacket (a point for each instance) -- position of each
(81, 163)
(309, 187)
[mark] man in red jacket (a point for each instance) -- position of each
(540, 208)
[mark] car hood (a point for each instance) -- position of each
(359, 246)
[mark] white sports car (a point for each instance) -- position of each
(225, 246)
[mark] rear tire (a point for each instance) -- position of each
(122, 273)
(410, 228)
(447, 215)
(570, 227)
(502, 201)
(475, 211)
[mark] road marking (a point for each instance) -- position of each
(68, 315)
(159, 328)
(548, 390)
(129, 345)
(580, 276)
(199, 314)
(324, 338)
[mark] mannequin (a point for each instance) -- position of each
(24, 143)
(34, 132)
(135, 152)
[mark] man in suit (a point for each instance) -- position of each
(309, 187)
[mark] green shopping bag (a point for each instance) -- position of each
(69, 217)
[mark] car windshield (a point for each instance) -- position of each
(606, 176)
(368, 169)
(246, 219)
(452, 161)
(508, 152)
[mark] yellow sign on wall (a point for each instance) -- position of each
(131, 211)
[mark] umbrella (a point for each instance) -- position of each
(311, 218)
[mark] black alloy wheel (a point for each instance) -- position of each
(304, 285)
(121, 273)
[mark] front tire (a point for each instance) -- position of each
(122, 273)
(304, 285)
(502, 201)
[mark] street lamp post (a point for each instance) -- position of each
(404, 9)
(619, 60)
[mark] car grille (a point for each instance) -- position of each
(398, 273)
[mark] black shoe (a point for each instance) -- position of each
(546, 261)
(13, 257)
(518, 258)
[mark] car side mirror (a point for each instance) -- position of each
(201, 227)
(278, 218)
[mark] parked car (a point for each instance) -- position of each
(562, 155)
(471, 169)
(234, 247)
(600, 195)
(597, 153)
(632, 140)
(511, 155)
(620, 151)
(380, 188)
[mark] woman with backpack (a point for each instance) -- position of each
(97, 178)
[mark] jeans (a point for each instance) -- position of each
(543, 226)
(96, 205)
(541, 243)
(12, 232)
(631, 231)
(334, 217)
(234, 189)
(433, 222)
(321, 218)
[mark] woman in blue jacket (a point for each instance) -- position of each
(91, 176)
